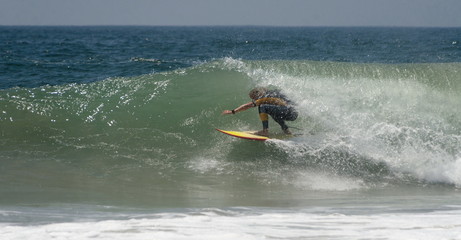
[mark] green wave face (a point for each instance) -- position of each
(153, 133)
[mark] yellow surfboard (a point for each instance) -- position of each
(244, 135)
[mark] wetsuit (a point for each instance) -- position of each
(278, 106)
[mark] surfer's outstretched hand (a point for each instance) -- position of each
(226, 112)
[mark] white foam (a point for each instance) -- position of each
(447, 172)
(326, 182)
(204, 165)
(242, 225)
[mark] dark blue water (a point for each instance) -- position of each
(35, 56)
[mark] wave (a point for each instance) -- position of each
(362, 124)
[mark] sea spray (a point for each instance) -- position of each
(405, 116)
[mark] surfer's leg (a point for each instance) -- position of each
(282, 124)
(264, 119)
(278, 113)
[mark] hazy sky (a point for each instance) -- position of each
(438, 13)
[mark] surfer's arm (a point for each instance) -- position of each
(239, 109)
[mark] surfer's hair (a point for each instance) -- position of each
(257, 92)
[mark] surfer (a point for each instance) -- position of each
(270, 103)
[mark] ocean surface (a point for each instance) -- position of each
(109, 133)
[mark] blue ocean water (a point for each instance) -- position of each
(35, 56)
(108, 132)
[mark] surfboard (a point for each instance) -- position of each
(244, 135)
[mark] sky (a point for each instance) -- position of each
(412, 13)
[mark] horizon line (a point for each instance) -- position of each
(222, 25)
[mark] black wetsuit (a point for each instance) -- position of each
(278, 106)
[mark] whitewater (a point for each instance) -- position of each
(377, 153)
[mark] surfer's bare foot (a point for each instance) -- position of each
(287, 132)
(264, 132)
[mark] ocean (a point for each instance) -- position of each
(109, 133)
